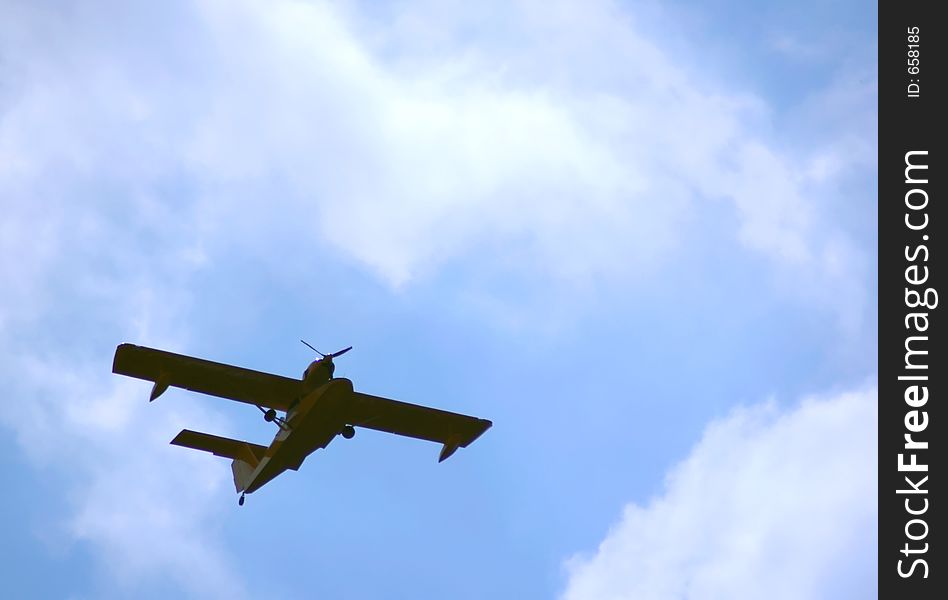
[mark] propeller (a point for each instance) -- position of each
(329, 356)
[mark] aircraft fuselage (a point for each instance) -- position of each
(310, 424)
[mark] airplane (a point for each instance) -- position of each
(315, 410)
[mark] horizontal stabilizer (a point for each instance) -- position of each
(221, 446)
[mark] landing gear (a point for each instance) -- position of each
(270, 415)
(348, 432)
(240, 502)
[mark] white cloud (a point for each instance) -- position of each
(570, 138)
(149, 510)
(153, 512)
(769, 504)
(406, 163)
(91, 255)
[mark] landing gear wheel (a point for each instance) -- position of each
(241, 501)
(269, 415)
(348, 432)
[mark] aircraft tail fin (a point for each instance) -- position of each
(246, 455)
(243, 471)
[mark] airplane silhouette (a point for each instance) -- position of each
(315, 410)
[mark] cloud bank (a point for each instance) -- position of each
(569, 142)
(769, 504)
(578, 152)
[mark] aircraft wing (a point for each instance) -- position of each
(198, 375)
(401, 418)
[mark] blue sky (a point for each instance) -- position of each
(639, 238)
